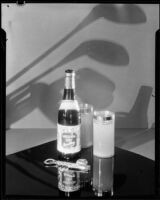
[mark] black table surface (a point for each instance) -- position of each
(134, 175)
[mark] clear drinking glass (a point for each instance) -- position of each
(103, 134)
(86, 125)
(103, 171)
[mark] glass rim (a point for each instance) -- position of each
(86, 108)
(103, 116)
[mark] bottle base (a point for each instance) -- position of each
(68, 157)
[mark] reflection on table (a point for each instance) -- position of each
(27, 170)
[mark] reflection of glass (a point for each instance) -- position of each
(86, 125)
(86, 178)
(103, 133)
(68, 182)
(103, 176)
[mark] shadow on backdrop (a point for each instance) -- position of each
(122, 13)
(100, 50)
(137, 117)
(92, 88)
(132, 138)
(128, 14)
(18, 105)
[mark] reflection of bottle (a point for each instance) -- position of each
(68, 182)
(103, 176)
(68, 127)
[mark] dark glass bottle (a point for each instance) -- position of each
(68, 127)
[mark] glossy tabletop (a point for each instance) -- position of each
(26, 174)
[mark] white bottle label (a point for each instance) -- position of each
(68, 139)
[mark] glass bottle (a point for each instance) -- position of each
(69, 121)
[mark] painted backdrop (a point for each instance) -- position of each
(111, 47)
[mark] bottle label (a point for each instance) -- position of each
(69, 104)
(68, 139)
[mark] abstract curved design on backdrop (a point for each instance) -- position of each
(103, 51)
(104, 90)
(130, 14)
(137, 116)
(46, 97)
(120, 13)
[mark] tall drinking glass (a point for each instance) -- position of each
(86, 125)
(103, 134)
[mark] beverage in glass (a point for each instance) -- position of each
(103, 134)
(86, 125)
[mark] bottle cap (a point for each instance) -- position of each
(70, 72)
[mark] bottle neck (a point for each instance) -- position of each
(69, 94)
(69, 90)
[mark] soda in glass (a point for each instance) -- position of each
(103, 134)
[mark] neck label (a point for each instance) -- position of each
(69, 82)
